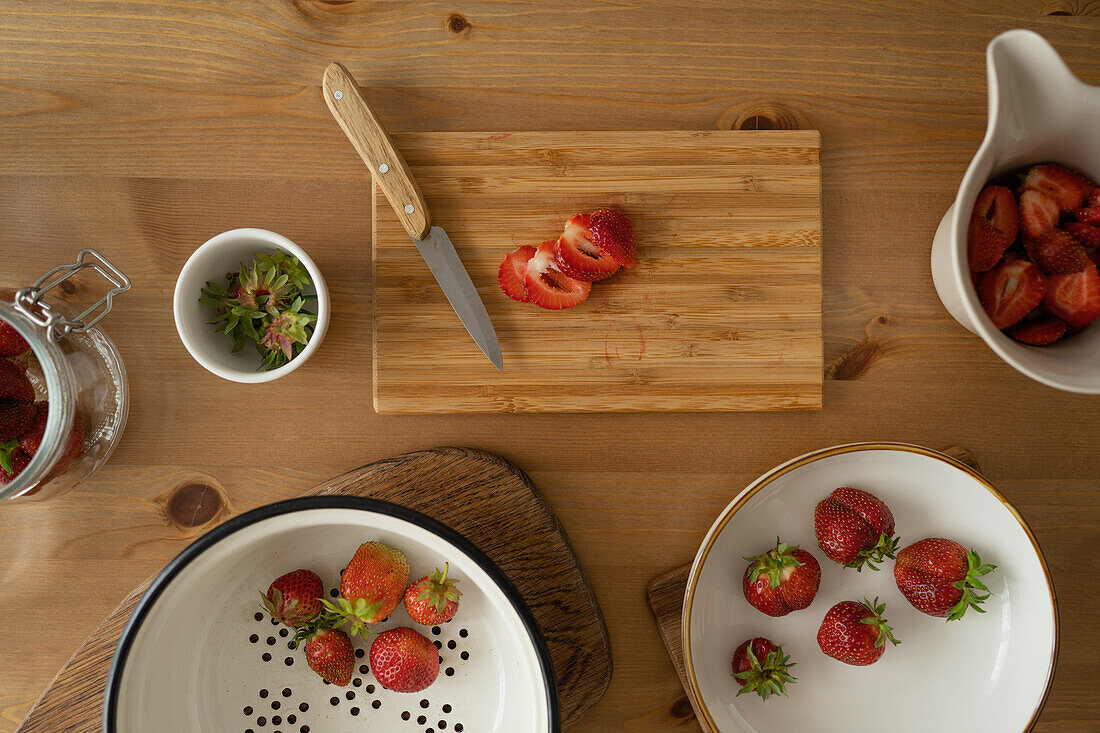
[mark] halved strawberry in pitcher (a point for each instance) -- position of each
(1011, 290)
(1075, 298)
(579, 257)
(549, 287)
(997, 206)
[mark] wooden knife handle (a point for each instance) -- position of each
(375, 147)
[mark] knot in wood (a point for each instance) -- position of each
(456, 23)
(761, 115)
(193, 504)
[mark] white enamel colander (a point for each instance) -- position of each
(197, 654)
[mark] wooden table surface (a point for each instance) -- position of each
(143, 128)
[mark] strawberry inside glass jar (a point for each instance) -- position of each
(63, 391)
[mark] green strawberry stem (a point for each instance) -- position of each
(884, 630)
(884, 548)
(6, 449)
(772, 562)
(768, 677)
(970, 585)
(343, 612)
(439, 590)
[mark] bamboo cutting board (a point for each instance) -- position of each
(722, 312)
(481, 496)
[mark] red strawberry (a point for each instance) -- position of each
(986, 244)
(548, 286)
(1088, 215)
(31, 440)
(12, 462)
(1038, 332)
(1010, 291)
(997, 206)
(1092, 195)
(782, 580)
(577, 256)
(1057, 252)
(14, 384)
(512, 271)
(1086, 234)
(371, 585)
(294, 599)
(433, 599)
(612, 232)
(403, 660)
(854, 528)
(15, 417)
(1075, 298)
(941, 578)
(11, 343)
(855, 633)
(1061, 183)
(760, 666)
(1039, 212)
(329, 653)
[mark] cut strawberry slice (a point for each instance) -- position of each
(1038, 212)
(997, 205)
(1088, 215)
(1075, 298)
(1086, 234)
(548, 286)
(986, 244)
(612, 232)
(1011, 290)
(1092, 197)
(1039, 332)
(1058, 253)
(1059, 182)
(577, 256)
(513, 271)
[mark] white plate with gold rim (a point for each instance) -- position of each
(987, 671)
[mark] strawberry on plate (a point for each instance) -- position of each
(11, 343)
(986, 244)
(1011, 290)
(433, 599)
(1038, 332)
(578, 256)
(403, 660)
(1039, 212)
(1086, 234)
(855, 633)
(1088, 215)
(549, 287)
(783, 579)
(855, 528)
(1061, 184)
(329, 653)
(1058, 252)
(760, 666)
(512, 273)
(294, 599)
(942, 578)
(371, 586)
(997, 206)
(1075, 298)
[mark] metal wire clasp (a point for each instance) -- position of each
(28, 301)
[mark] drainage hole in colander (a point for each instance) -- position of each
(405, 715)
(451, 644)
(450, 671)
(271, 641)
(376, 704)
(441, 660)
(458, 727)
(286, 692)
(263, 693)
(421, 720)
(428, 730)
(446, 708)
(248, 710)
(463, 633)
(305, 729)
(357, 682)
(274, 622)
(435, 631)
(465, 656)
(275, 720)
(370, 689)
(363, 669)
(334, 701)
(275, 704)
(289, 661)
(334, 592)
(424, 703)
(349, 695)
(304, 707)
(266, 657)
(259, 616)
(254, 638)
(359, 653)
(283, 633)
(292, 718)
(438, 644)
(261, 721)
(442, 724)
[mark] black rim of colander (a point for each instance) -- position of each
(118, 663)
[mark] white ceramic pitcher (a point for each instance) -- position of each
(1038, 112)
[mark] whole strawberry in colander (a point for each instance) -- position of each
(403, 660)
(371, 586)
(294, 599)
(433, 599)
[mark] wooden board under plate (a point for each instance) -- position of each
(722, 312)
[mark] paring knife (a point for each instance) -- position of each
(393, 176)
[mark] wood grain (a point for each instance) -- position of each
(479, 495)
(722, 311)
(146, 127)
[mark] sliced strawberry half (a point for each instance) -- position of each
(512, 274)
(1075, 298)
(1039, 332)
(1086, 234)
(612, 232)
(578, 257)
(549, 287)
(1092, 195)
(1088, 215)
(1039, 212)
(1060, 183)
(997, 205)
(1058, 253)
(986, 244)
(1010, 291)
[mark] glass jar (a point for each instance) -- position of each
(79, 382)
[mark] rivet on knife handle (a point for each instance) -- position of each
(375, 147)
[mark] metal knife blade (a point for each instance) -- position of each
(443, 261)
